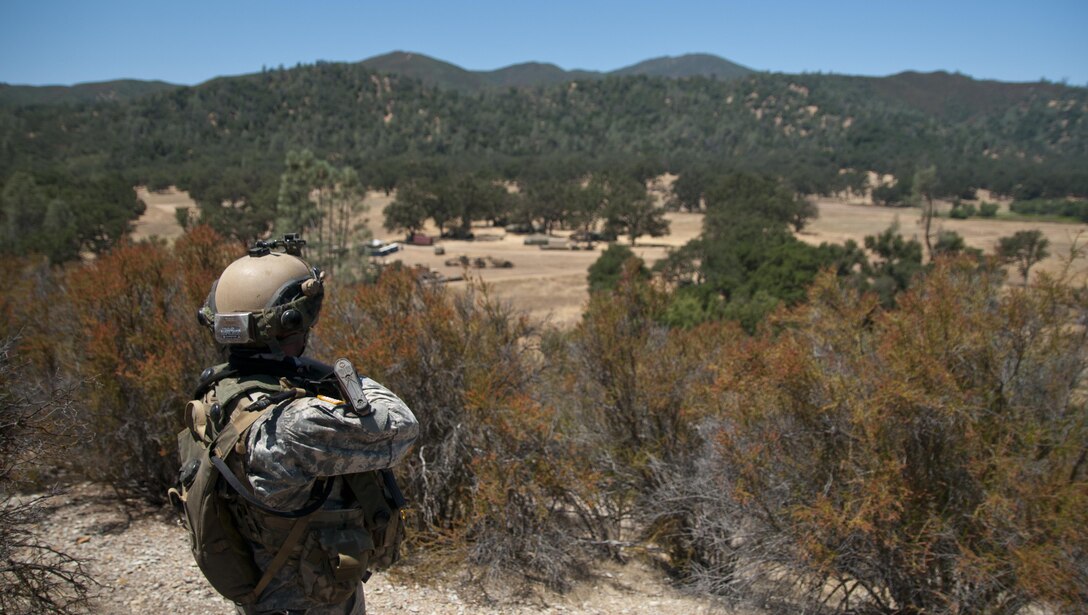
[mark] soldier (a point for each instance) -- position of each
(303, 450)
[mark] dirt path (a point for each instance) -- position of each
(142, 562)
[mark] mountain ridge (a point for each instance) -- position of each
(935, 92)
(434, 72)
(431, 71)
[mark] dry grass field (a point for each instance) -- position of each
(159, 219)
(551, 284)
(839, 222)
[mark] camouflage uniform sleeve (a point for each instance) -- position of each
(310, 438)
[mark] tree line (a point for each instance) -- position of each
(820, 133)
(227, 141)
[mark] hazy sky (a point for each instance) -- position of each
(190, 41)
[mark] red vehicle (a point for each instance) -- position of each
(419, 239)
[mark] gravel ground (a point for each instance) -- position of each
(141, 559)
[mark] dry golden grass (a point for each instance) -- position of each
(551, 284)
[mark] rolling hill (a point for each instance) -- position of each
(690, 65)
(106, 91)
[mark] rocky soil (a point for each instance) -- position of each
(140, 558)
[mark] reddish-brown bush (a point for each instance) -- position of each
(927, 459)
(494, 479)
(137, 339)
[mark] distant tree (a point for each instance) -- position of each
(746, 262)
(238, 204)
(24, 206)
(750, 311)
(950, 243)
(747, 195)
(959, 212)
(409, 210)
(548, 202)
(488, 198)
(1025, 249)
(897, 261)
(441, 207)
(183, 216)
(60, 232)
(922, 193)
(606, 271)
(688, 190)
(59, 217)
(325, 204)
(586, 205)
(893, 194)
(628, 208)
(104, 208)
(474, 197)
(682, 266)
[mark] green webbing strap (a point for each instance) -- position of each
(297, 530)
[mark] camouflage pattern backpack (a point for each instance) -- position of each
(333, 549)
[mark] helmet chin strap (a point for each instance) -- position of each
(293, 345)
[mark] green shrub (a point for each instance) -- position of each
(605, 272)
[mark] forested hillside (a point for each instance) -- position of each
(225, 141)
(808, 128)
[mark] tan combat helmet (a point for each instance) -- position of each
(265, 297)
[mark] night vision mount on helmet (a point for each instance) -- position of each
(264, 297)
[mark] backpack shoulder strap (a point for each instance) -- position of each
(225, 444)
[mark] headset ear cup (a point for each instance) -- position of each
(291, 320)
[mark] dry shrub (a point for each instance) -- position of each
(493, 480)
(136, 337)
(632, 391)
(928, 459)
(37, 422)
(30, 307)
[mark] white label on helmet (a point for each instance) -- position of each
(233, 328)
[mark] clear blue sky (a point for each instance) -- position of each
(190, 41)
